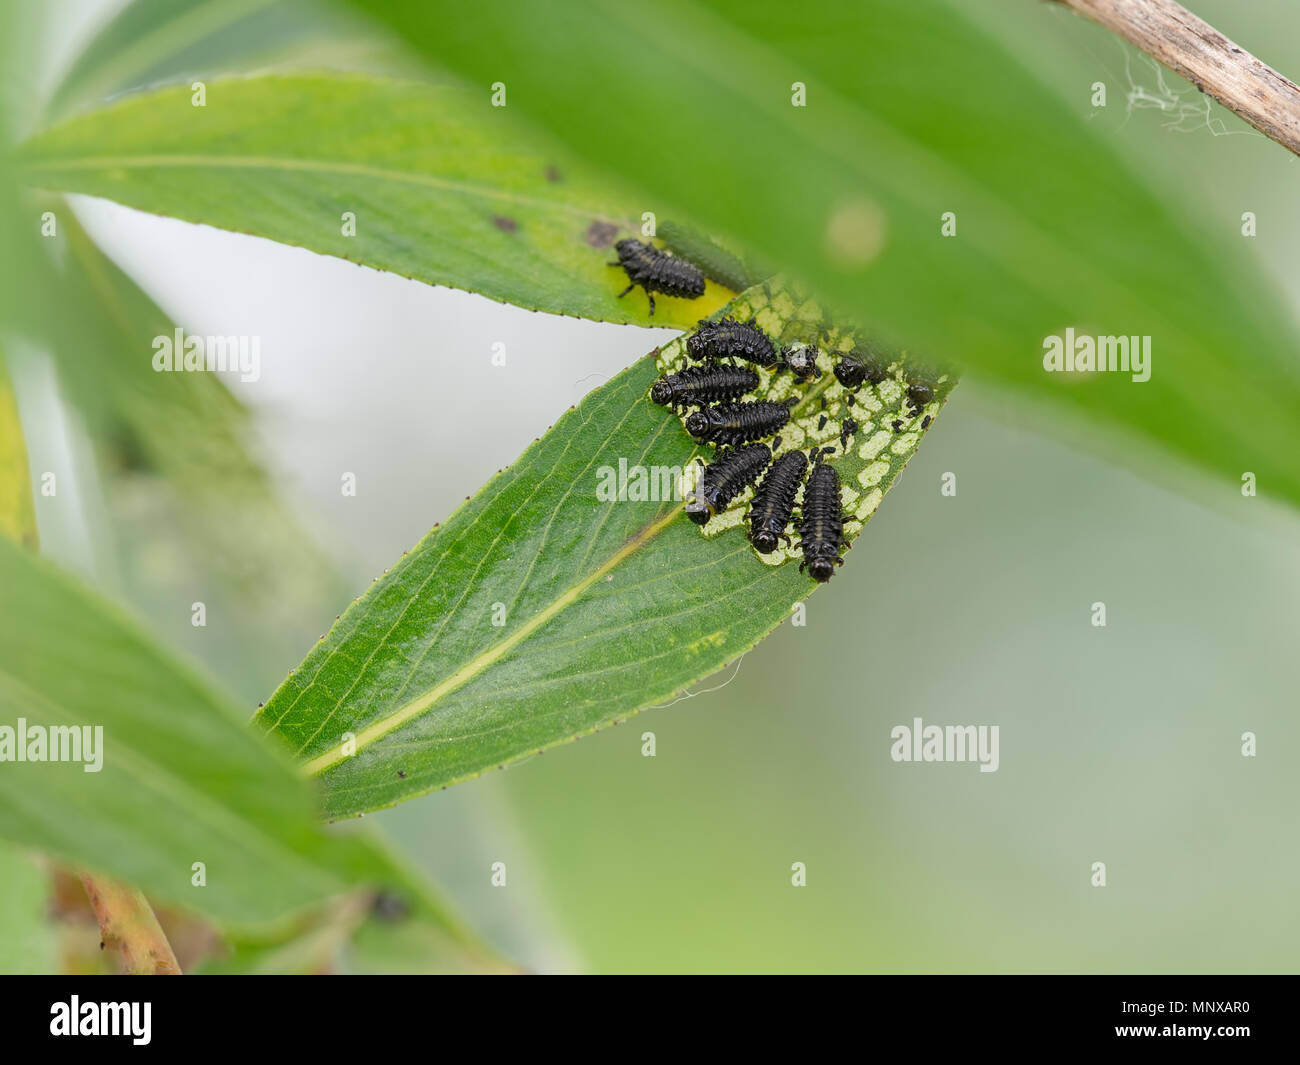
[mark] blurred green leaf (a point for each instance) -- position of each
(17, 518)
(913, 110)
(540, 612)
(189, 499)
(151, 42)
(28, 941)
(444, 188)
(182, 779)
(331, 937)
(187, 427)
(310, 945)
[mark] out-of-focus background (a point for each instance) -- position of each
(1119, 744)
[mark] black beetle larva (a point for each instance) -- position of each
(657, 271)
(922, 380)
(859, 366)
(711, 383)
(732, 339)
(801, 360)
(850, 371)
(737, 423)
(774, 502)
(821, 523)
(919, 393)
(729, 474)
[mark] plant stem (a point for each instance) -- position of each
(1194, 49)
(127, 922)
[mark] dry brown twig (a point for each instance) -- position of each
(127, 922)
(1195, 50)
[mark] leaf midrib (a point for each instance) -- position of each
(396, 719)
(450, 611)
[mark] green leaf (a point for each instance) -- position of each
(151, 810)
(309, 945)
(17, 518)
(151, 42)
(28, 941)
(188, 500)
(444, 187)
(913, 110)
(541, 612)
(182, 780)
(188, 428)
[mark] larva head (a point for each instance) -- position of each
(697, 424)
(698, 511)
(697, 346)
(764, 541)
(821, 569)
(661, 392)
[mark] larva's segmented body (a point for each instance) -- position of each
(657, 271)
(737, 423)
(729, 474)
(859, 366)
(821, 523)
(713, 382)
(774, 501)
(732, 339)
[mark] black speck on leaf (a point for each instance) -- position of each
(553, 174)
(390, 907)
(506, 225)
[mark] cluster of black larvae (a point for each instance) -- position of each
(797, 487)
(721, 417)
